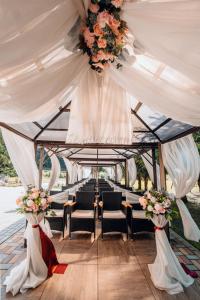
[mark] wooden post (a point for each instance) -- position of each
(67, 178)
(155, 185)
(41, 165)
(162, 169)
(126, 174)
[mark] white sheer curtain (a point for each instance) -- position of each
(32, 271)
(169, 31)
(148, 161)
(100, 111)
(55, 170)
(80, 172)
(181, 159)
(119, 173)
(132, 171)
(166, 272)
(22, 155)
(72, 170)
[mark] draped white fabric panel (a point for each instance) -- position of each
(22, 155)
(72, 170)
(42, 30)
(80, 172)
(119, 173)
(184, 103)
(181, 159)
(48, 90)
(100, 112)
(32, 271)
(166, 272)
(148, 161)
(132, 171)
(169, 31)
(55, 170)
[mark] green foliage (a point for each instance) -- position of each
(6, 167)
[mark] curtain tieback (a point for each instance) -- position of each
(35, 226)
(158, 228)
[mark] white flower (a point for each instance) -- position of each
(29, 203)
(149, 208)
(153, 199)
(43, 201)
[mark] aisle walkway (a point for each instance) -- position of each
(103, 270)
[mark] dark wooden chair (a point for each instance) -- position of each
(113, 213)
(82, 213)
(59, 221)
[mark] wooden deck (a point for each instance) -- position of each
(111, 269)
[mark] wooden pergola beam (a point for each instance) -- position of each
(15, 131)
(62, 144)
(96, 159)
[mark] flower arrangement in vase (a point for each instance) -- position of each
(34, 201)
(158, 203)
(103, 34)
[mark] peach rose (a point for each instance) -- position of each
(89, 37)
(94, 8)
(103, 18)
(97, 30)
(102, 43)
(95, 58)
(143, 202)
(19, 202)
(35, 195)
(117, 3)
(113, 22)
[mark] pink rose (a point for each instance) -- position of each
(35, 195)
(43, 201)
(103, 18)
(94, 8)
(102, 43)
(159, 208)
(49, 199)
(117, 3)
(143, 202)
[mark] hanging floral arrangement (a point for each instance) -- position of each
(103, 34)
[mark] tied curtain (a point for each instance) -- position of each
(182, 162)
(148, 162)
(101, 112)
(71, 169)
(22, 155)
(132, 171)
(55, 169)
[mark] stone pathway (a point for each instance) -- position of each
(9, 231)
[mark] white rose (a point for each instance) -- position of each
(43, 201)
(42, 194)
(153, 200)
(149, 208)
(30, 203)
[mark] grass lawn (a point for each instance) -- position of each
(177, 224)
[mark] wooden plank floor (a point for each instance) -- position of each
(111, 269)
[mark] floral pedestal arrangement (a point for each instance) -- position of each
(41, 256)
(166, 272)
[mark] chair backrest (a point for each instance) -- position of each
(106, 189)
(88, 188)
(54, 192)
(55, 205)
(85, 200)
(112, 200)
(136, 206)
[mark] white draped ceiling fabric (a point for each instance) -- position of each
(165, 33)
(132, 171)
(181, 159)
(55, 170)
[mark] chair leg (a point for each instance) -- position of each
(70, 235)
(131, 229)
